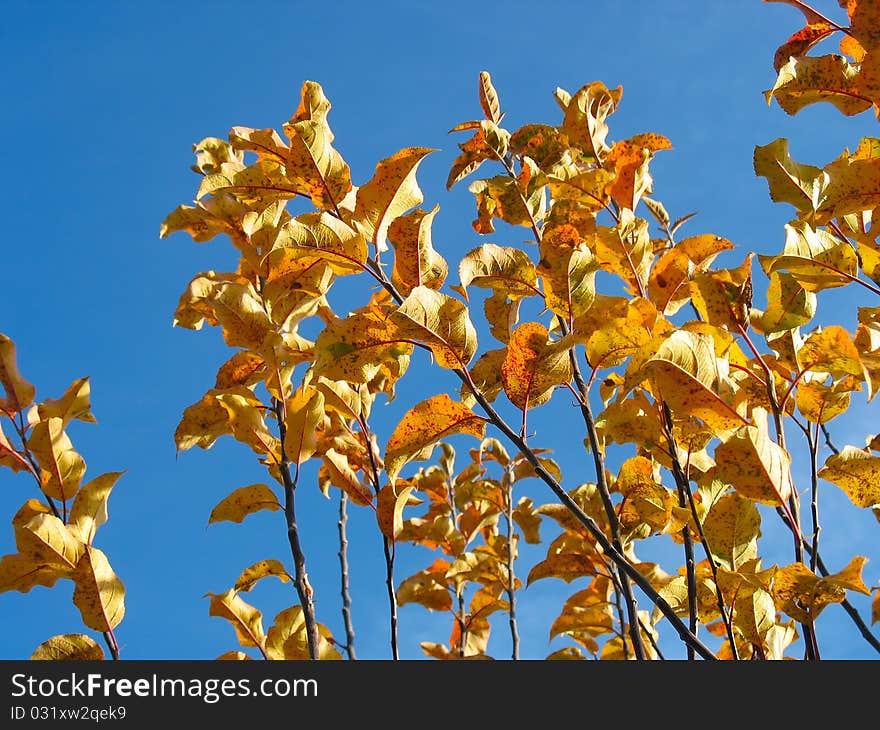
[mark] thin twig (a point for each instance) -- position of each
(301, 578)
(511, 575)
(343, 564)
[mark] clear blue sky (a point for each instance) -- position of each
(102, 102)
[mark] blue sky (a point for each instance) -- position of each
(103, 102)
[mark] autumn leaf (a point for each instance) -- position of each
(245, 619)
(391, 192)
(74, 404)
(803, 595)
(585, 117)
(287, 638)
(856, 472)
(99, 594)
(534, 366)
(243, 502)
(831, 350)
(801, 42)
(499, 268)
(337, 471)
(247, 422)
(69, 647)
(629, 159)
(19, 392)
(504, 198)
(529, 520)
(758, 468)
(732, 528)
(789, 305)
(423, 426)
(243, 368)
(416, 262)
(789, 181)
(355, 348)
(203, 423)
(304, 412)
(428, 588)
(89, 510)
(439, 321)
(253, 574)
(62, 467)
(806, 80)
(724, 297)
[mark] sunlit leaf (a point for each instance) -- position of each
(253, 574)
(19, 392)
(439, 321)
(803, 595)
(790, 182)
(809, 80)
(391, 192)
(856, 472)
(245, 619)
(244, 501)
(534, 366)
(74, 404)
(416, 262)
(62, 467)
(732, 528)
(529, 520)
(99, 594)
(69, 647)
(89, 510)
(287, 638)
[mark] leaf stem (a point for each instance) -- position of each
(343, 565)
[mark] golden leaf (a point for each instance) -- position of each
(529, 520)
(755, 466)
(337, 470)
(19, 392)
(569, 279)
(391, 192)
(203, 423)
(533, 366)
(439, 321)
(253, 574)
(588, 611)
(724, 297)
(486, 375)
(246, 422)
(424, 425)
(585, 115)
(390, 501)
(245, 619)
(74, 404)
(356, 348)
(62, 467)
(790, 182)
(500, 268)
(629, 159)
(428, 588)
(803, 595)
(239, 310)
(322, 237)
(243, 502)
(831, 350)
(99, 594)
(809, 80)
(732, 528)
(489, 99)
(68, 647)
(819, 403)
(304, 412)
(287, 638)
(243, 368)
(416, 263)
(856, 472)
(89, 510)
(789, 305)
(802, 41)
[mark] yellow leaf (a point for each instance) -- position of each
(304, 412)
(202, 423)
(755, 466)
(351, 402)
(853, 186)
(486, 375)
(819, 403)
(789, 305)
(585, 115)
(439, 321)
(321, 236)
(625, 250)
(252, 575)
(239, 310)
(313, 166)
(803, 595)
(416, 263)
(287, 638)
(391, 192)
(529, 520)
(790, 182)
(629, 159)
(246, 422)
(616, 338)
(47, 541)
(802, 41)
(724, 297)
(389, 507)
(500, 268)
(732, 528)
(355, 349)
(805, 80)
(489, 98)
(856, 472)
(685, 372)
(62, 467)
(236, 656)
(19, 392)
(22, 572)
(533, 366)
(68, 647)
(74, 404)
(588, 611)
(424, 425)
(243, 368)
(477, 566)
(569, 279)
(259, 184)
(831, 350)
(89, 510)
(99, 594)
(504, 198)
(245, 619)
(428, 588)
(340, 474)
(570, 653)
(243, 502)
